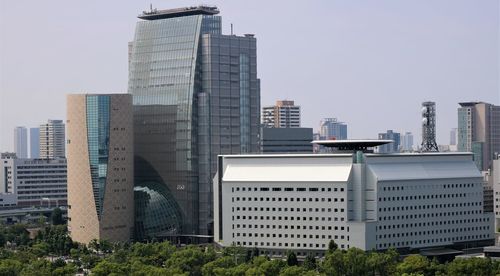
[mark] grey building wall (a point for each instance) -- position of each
(34, 142)
(281, 140)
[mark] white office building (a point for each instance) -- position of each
(370, 201)
(33, 182)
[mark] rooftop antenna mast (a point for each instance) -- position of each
(429, 127)
(231, 28)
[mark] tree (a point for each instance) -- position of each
(57, 216)
(309, 262)
(296, 271)
(291, 259)
(415, 264)
(332, 246)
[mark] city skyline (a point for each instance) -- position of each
(454, 61)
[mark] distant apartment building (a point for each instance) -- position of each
(407, 142)
(370, 201)
(495, 183)
(34, 142)
(100, 167)
(453, 139)
(392, 147)
(479, 131)
(331, 128)
(34, 182)
(281, 140)
(284, 114)
(52, 140)
(21, 142)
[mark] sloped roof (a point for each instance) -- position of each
(287, 169)
(427, 170)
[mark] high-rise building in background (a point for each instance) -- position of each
(196, 95)
(284, 114)
(429, 127)
(100, 167)
(331, 128)
(479, 131)
(52, 140)
(392, 147)
(286, 140)
(21, 142)
(34, 142)
(407, 142)
(453, 136)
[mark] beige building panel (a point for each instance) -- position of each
(83, 223)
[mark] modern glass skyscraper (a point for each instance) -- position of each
(21, 142)
(330, 128)
(34, 142)
(196, 95)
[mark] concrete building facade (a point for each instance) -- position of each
(479, 131)
(284, 114)
(278, 203)
(52, 140)
(100, 167)
(34, 182)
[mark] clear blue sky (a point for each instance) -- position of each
(369, 63)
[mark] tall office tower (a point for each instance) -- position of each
(479, 131)
(330, 128)
(284, 114)
(392, 147)
(100, 167)
(196, 95)
(21, 142)
(429, 127)
(52, 140)
(407, 142)
(453, 136)
(34, 142)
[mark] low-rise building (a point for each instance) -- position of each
(278, 203)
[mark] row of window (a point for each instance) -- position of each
(298, 199)
(291, 218)
(302, 245)
(292, 236)
(286, 189)
(429, 206)
(430, 223)
(432, 232)
(397, 198)
(444, 214)
(431, 241)
(445, 186)
(279, 209)
(292, 227)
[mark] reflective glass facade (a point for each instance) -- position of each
(185, 80)
(98, 145)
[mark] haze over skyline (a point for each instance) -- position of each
(369, 64)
